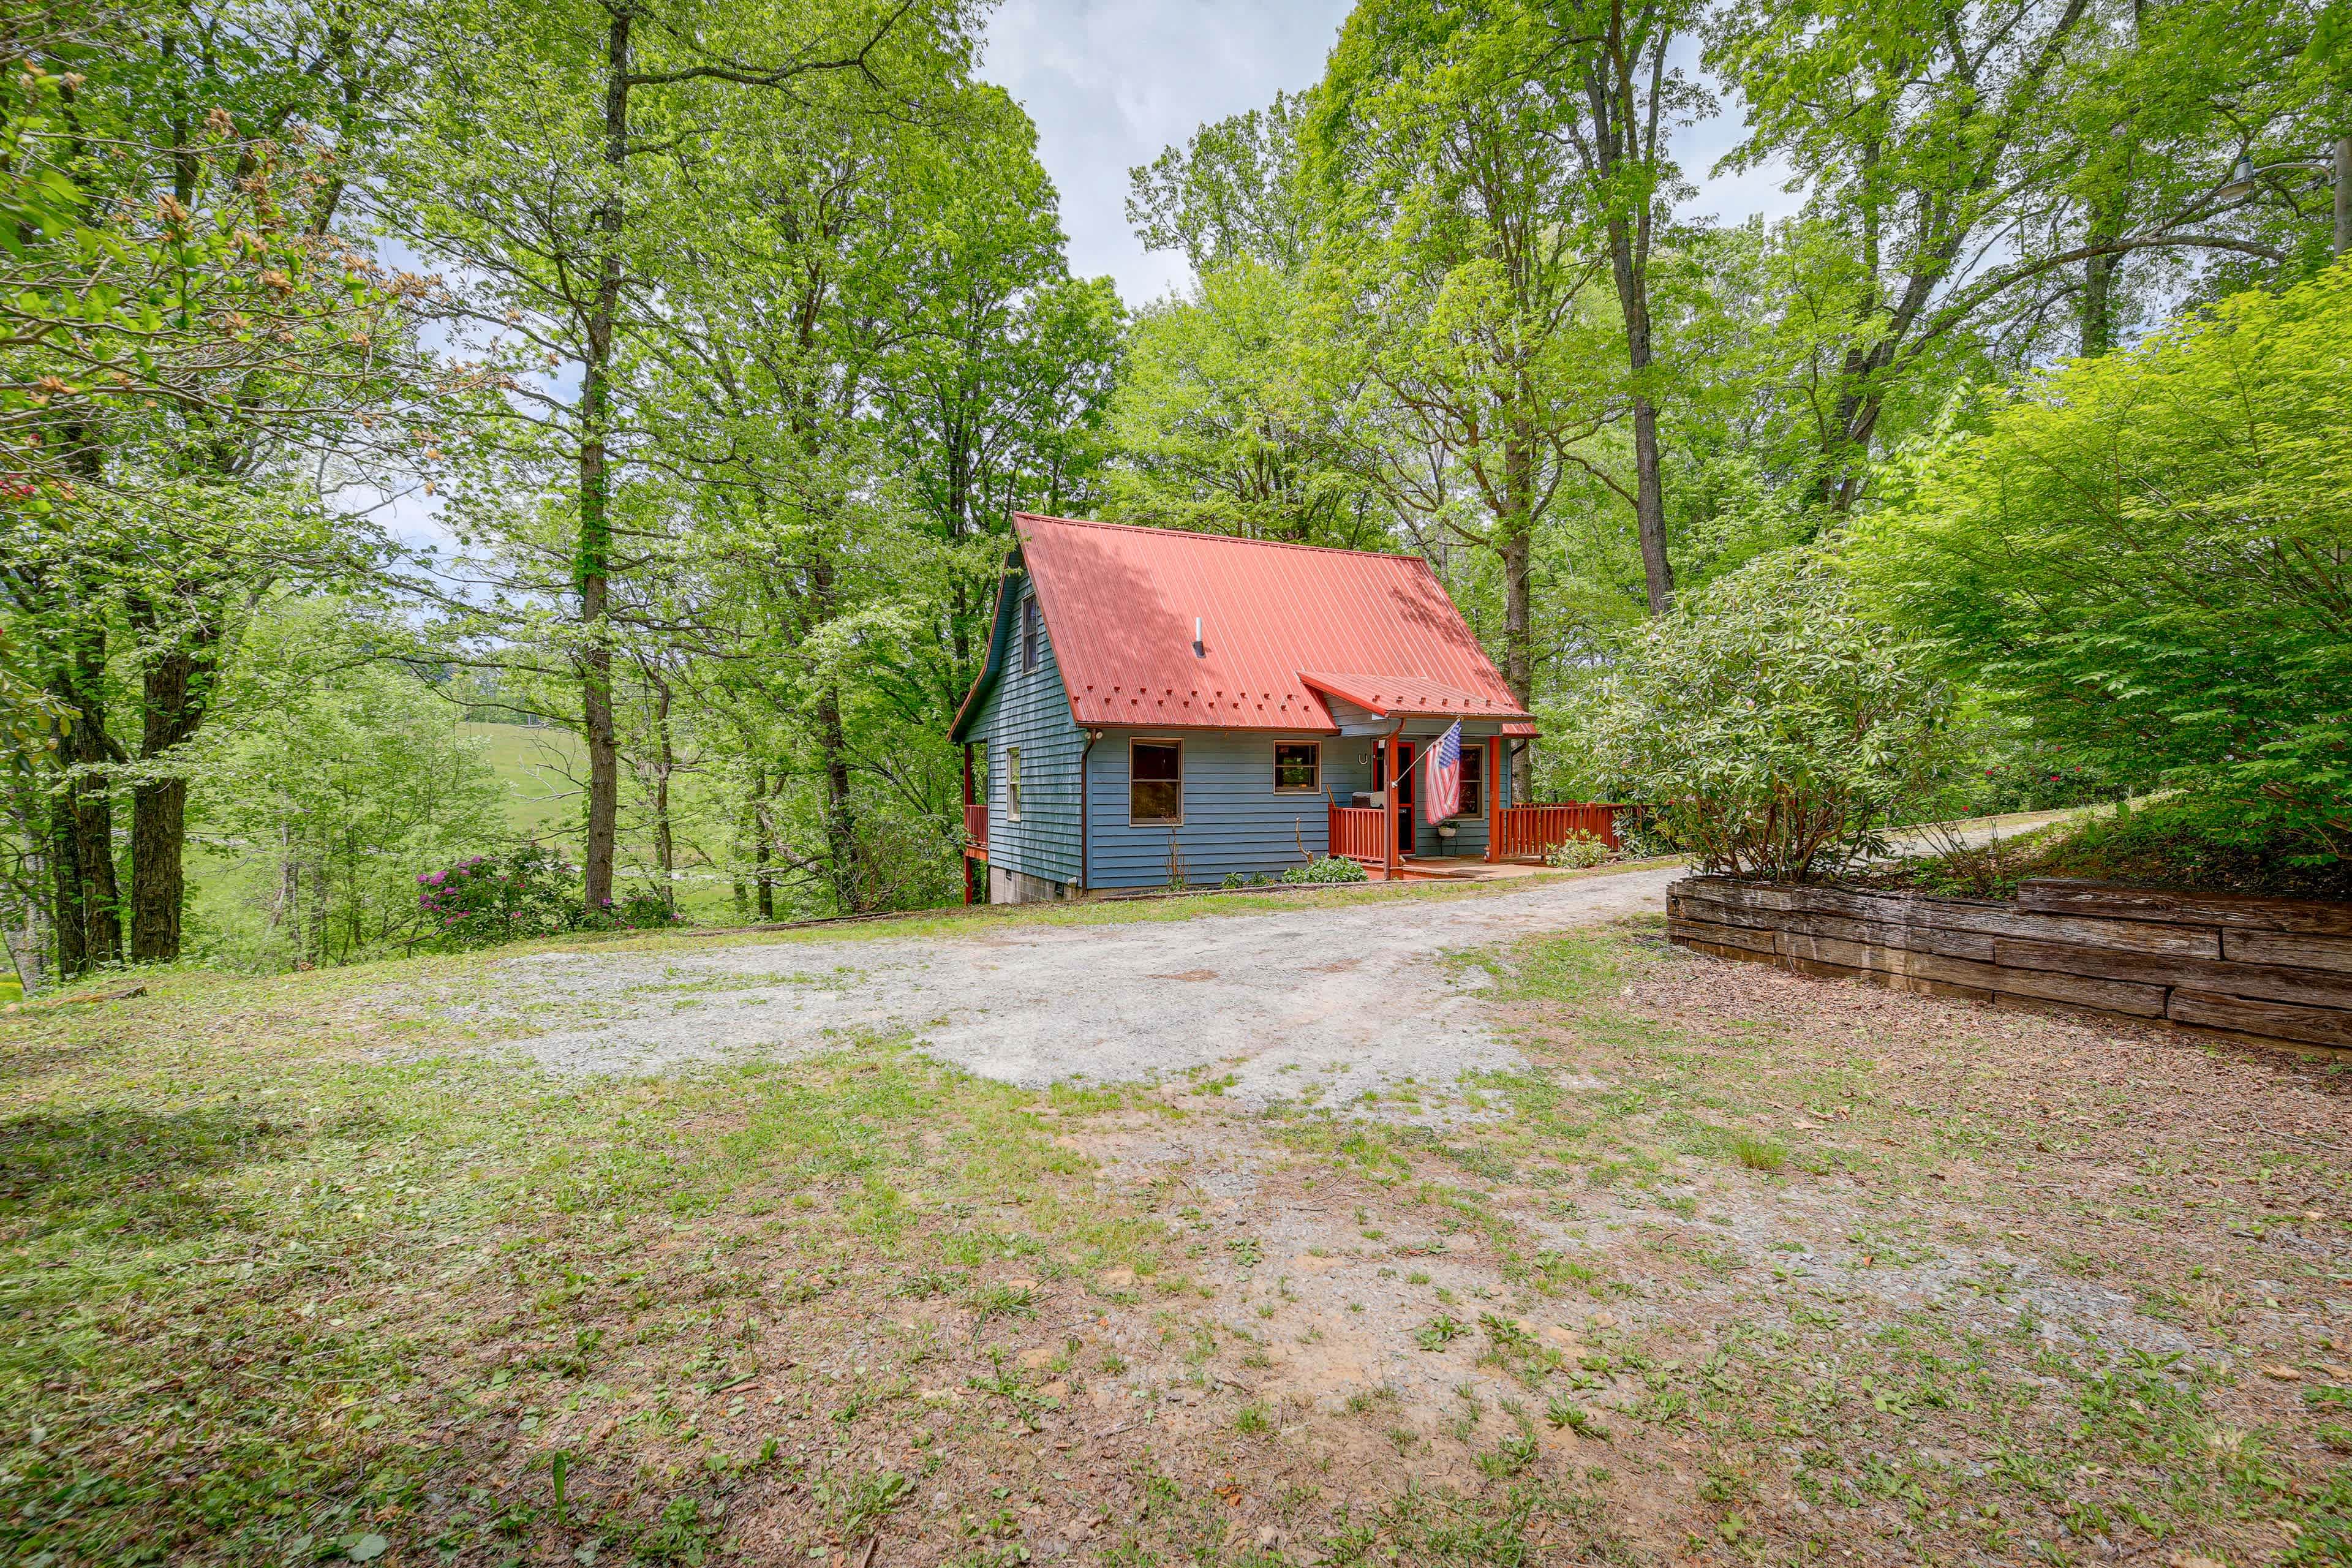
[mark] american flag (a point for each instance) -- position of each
(1443, 798)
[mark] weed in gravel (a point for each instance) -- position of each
(925, 1283)
(1510, 1457)
(680, 1535)
(859, 1501)
(1000, 1301)
(1438, 1332)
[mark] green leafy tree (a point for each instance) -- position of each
(1233, 193)
(553, 168)
(1967, 160)
(1451, 276)
(2146, 556)
(1226, 422)
(337, 778)
(182, 330)
(875, 349)
(1769, 726)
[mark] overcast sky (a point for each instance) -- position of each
(1111, 82)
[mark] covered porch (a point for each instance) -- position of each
(1381, 828)
(1519, 839)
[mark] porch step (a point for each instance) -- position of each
(1412, 871)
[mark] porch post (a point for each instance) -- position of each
(964, 829)
(1393, 863)
(1494, 799)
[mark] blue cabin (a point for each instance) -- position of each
(1159, 708)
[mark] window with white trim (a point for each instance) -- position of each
(1012, 783)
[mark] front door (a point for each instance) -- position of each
(1402, 804)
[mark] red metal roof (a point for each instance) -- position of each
(1120, 604)
(1386, 694)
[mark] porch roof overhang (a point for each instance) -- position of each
(1396, 696)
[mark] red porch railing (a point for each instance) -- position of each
(1359, 832)
(975, 828)
(1532, 832)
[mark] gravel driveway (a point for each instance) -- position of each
(1350, 999)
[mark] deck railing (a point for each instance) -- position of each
(975, 826)
(1532, 832)
(1359, 834)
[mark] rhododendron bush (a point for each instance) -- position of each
(484, 899)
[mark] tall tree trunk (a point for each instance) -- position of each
(2098, 334)
(763, 834)
(67, 916)
(319, 891)
(159, 814)
(591, 567)
(2108, 209)
(172, 705)
(665, 763)
(289, 911)
(832, 753)
(1515, 542)
(1625, 138)
(2343, 195)
(1650, 499)
(2100, 272)
(1649, 482)
(840, 817)
(28, 942)
(89, 920)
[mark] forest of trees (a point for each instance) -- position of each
(712, 345)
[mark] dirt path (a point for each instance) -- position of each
(1350, 999)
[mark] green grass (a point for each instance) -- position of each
(542, 770)
(265, 1285)
(1981, 1440)
(288, 1264)
(2168, 842)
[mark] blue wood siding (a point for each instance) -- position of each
(1032, 712)
(1234, 821)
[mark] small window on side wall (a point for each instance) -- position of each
(1029, 638)
(1474, 780)
(1012, 783)
(1298, 767)
(1155, 783)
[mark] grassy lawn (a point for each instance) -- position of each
(543, 771)
(297, 1269)
(281, 1275)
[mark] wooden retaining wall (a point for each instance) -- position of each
(2272, 969)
